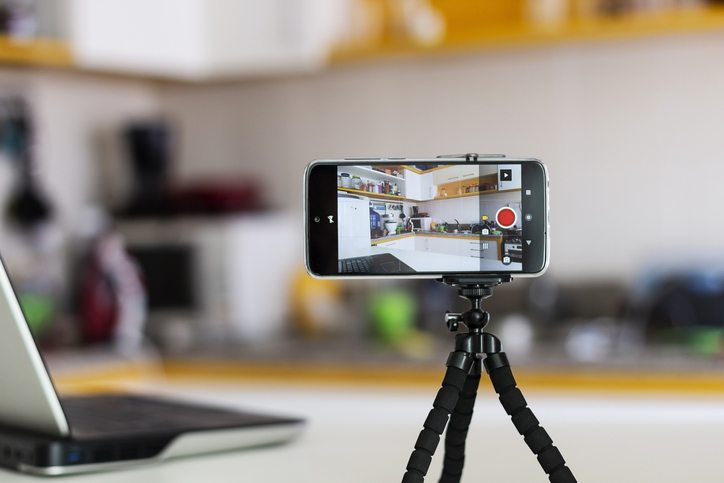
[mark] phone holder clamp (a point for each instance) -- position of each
(471, 156)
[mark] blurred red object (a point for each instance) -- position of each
(213, 197)
(113, 293)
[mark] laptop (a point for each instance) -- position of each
(43, 434)
(380, 263)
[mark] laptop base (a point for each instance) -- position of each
(103, 447)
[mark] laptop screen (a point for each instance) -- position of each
(29, 400)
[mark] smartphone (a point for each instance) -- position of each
(426, 218)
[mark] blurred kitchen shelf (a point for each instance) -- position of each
(37, 52)
(45, 52)
(525, 34)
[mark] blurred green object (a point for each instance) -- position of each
(393, 314)
(706, 340)
(701, 340)
(38, 310)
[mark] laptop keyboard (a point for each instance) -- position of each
(117, 415)
(355, 265)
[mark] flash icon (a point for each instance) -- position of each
(331, 218)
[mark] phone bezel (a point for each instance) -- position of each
(310, 204)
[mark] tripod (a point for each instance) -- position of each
(456, 398)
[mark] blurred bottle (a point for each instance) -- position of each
(17, 19)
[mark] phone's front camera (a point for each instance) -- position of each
(316, 219)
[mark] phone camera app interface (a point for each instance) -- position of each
(429, 218)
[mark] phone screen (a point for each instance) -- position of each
(422, 218)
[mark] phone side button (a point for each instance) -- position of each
(362, 159)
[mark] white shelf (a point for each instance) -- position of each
(366, 173)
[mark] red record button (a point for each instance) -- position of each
(505, 217)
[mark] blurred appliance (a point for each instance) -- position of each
(421, 222)
(223, 276)
(353, 216)
(149, 149)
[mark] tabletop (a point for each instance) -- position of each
(363, 433)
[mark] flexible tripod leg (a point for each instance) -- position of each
(457, 430)
(525, 422)
(458, 367)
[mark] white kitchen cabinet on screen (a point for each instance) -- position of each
(469, 171)
(462, 172)
(445, 246)
(389, 244)
(446, 175)
(401, 243)
(480, 249)
(434, 244)
(427, 187)
(407, 243)
(419, 186)
(412, 185)
(422, 243)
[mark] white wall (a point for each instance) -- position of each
(630, 129)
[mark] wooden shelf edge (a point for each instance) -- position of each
(608, 381)
(400, 236)
(38, 52)
(380, 196)
(421, 375)
(482, 193)
(530, 35)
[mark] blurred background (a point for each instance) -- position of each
(151, 158)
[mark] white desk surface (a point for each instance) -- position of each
(363, 434)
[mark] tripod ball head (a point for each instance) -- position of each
(476, 319)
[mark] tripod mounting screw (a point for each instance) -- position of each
(453, 321)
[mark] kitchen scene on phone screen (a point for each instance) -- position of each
(420, 218)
